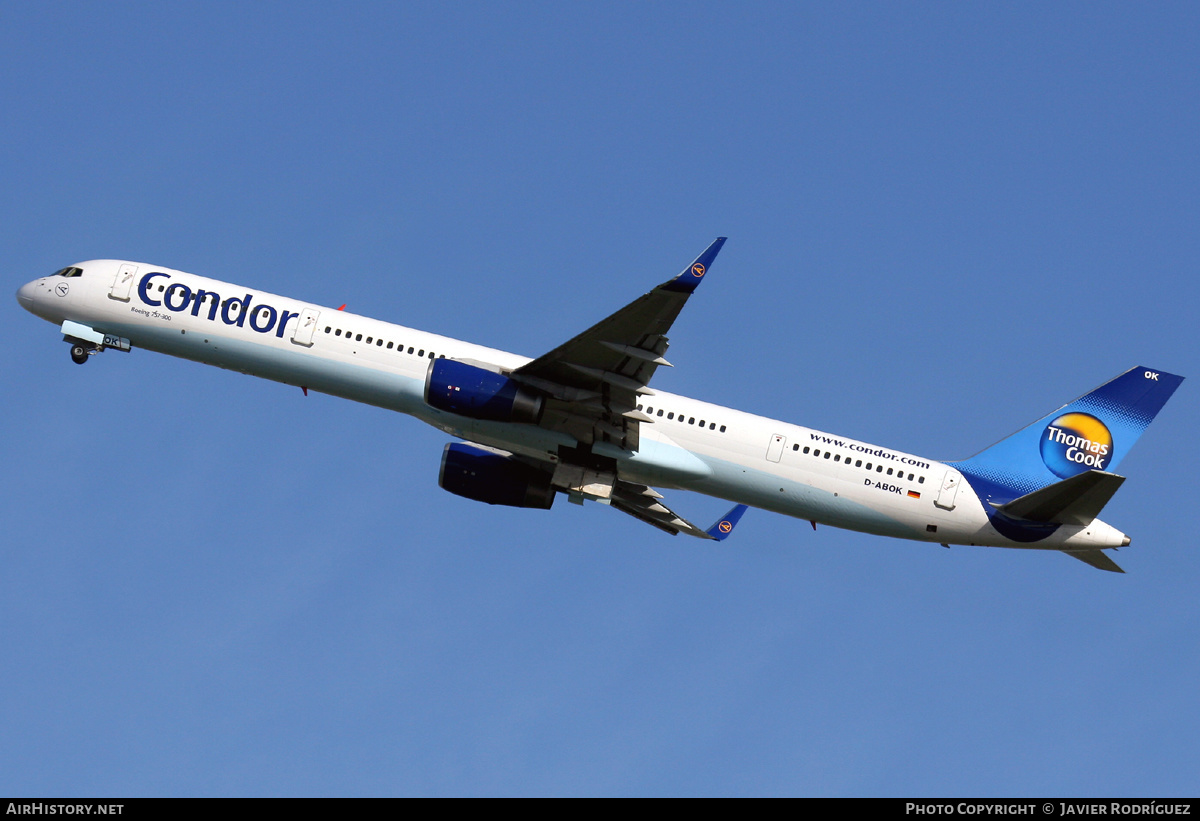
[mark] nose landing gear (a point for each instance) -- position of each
(86, 342)
(80, 353)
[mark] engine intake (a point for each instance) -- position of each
(490, 477)
(478, 393)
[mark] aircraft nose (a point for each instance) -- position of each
(26, 293)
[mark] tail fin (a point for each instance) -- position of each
(1093, 433)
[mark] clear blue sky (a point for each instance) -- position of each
(945, 220)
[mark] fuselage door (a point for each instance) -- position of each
(775, 447)
(949, 489)
(305, 326)
(122, 282)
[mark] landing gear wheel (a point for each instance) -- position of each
(79, 354)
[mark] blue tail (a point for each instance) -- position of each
(1092, 433)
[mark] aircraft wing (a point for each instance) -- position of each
(645, 503)
(639, 501)
(593, 381)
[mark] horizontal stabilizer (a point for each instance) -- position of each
(1096, 558)
(1074, 501)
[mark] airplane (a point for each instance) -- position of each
(583, 421)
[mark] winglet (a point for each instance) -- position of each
(724, 526)
(691, 275)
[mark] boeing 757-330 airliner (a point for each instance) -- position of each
(582, 420)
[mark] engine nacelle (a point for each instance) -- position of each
(478, 393)
(490, 477)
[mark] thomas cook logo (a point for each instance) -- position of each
(1074, 443)
(698, 269)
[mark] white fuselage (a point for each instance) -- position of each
(690, 444)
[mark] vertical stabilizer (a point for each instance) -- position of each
(1093, 433)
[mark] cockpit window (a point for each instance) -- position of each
(68, 272)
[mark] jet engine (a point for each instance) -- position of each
(493, 478)
(478, 393)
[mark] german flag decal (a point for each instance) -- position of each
(912, 494)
